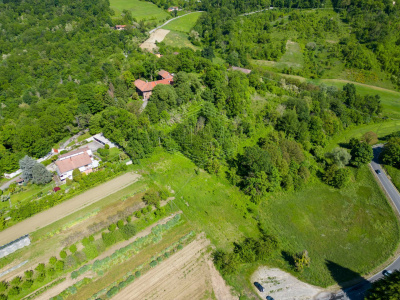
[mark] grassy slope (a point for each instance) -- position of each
(360, 230)
(140, 9)
(183, 24)
(179, 39)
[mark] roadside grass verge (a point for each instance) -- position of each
(183, 24)
(179, 39)
(394, 174)
(139, 9)
(381, 129)
(354, 227)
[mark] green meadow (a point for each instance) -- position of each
(139, 9)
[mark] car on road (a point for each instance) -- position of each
(387, 272)
(269, 298)
(259, 286)
(378, 172)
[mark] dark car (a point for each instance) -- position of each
(378, 172)
(386, 272)
(269, 298)
(259, 286)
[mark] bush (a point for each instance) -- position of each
(112, 227)
(108, 238)
(53, 260)
(73, 248)
(41, 277)
(3, 297)
(138, 214)
(120, 224)
(28, 273)
(16, 281)
(159, 259)
(40, 267)
(91, 251)
(137, 274)
(63, 254)
(153, 263)
(130, 279)
(3, 286)
(59, 265)
(129, 219)
(166, 254)
(51, 272)
(14, 291)
(112, 292)
(151, 197)
(91, 238)
(74, 275)
(27, 284)
(128, 231)
(85, 241)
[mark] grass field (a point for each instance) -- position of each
(381, 129)
(140, 9)
(354, 227)
(183, 24)
(179, 39)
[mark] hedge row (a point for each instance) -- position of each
(73, 289)
(45, 288)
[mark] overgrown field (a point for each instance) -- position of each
(354, 227)
(139, 9)
(179, 39)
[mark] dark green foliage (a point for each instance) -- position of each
(337, 177)
(128, 231)
(53, 260)
(76, 175)
(391, 152)
(41, 277)
(153, 263)
(3, 297)
(112, 227)
(386, 288)
(16, 281)
(27, 284)
(3, 286)
(137, 274)
(112, 292)
(151, 197)
(14, 291)
(40, 175)
(108, 238)
(59, 265)
(361, 154)
(40, 268)
(91, 251)
(28, 273)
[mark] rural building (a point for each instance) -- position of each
(120, 27)
(100, 138)
(20, 181)
(173, 8)
(245, 71)
(81, 159)
(145, 88)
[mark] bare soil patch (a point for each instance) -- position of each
(156, 36)
(282, 285)
(66, 208)
(188, 274)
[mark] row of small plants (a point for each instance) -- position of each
(73, 289)
(43, 289)
(122, 254)
(129, 277)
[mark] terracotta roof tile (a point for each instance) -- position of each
(73, 162)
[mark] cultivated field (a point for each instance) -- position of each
(188, 274)
(139, 9)
(66, 208)
(156, 36)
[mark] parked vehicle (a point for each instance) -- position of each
(387, 272)
(378, 172)
(259, 286)
(269, 298)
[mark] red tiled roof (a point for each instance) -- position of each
(73, 162)
(149, 86)
(164, 74)
(120, 26)
(74, 152)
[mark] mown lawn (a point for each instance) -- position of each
(179, 39)
(183, 24)
(354, 227)
(140, 9)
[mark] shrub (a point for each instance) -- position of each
(68, 182)
(112, 292)
(41, 277)
(16, 281)
(27, 284)
(3, 297)
(151, 197)
(130, 279)
(108, 238)
(3, 286)
(14, 291)
(138, 214)
(180, 247)
(91, 238)
(63, 254)
(112, 227)
(28, 273)
(166, 254)
(51, 272)
(137, 274)
(120, 224)
(159, 259)
(74, 275)
(85, 241)
(91, 251)
(59, 265)
(122, 284)
(73, 248)
(53, 260)
(153, 263)
(40, 267)
(129, 219)
(128, 231)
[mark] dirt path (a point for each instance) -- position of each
(156, 36)
(66, 208)
(188, 274)
(69, 281)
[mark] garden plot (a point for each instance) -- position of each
(188, 274)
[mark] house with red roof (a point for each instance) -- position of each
(120, 27)
(81, 159)
(145, 88)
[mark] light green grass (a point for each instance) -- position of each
(140, 9)
(394, 174)
(179, 39)
(183, 24)
(381, 129)
(354, 227)
(293, 57)
(27, 193)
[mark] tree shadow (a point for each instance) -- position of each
(344, 145)
(352, 284)
(289, 258)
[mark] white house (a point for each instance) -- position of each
(81, 159)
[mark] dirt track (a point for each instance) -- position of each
(66, 208)
(156, 36)
(188, 274)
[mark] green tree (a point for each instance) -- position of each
(151, 197)
(386, 288)
(391, 152)
(40, 175)
(339, 156)
(27, 164)
(302, 260)
(361, 154)
(76, 175)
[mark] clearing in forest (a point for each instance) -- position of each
(184, 23)
(188, 274)
(156, 36)
(139, 9)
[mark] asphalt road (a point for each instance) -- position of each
(357, 292)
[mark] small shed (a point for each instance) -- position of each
(56, 189)
(20, 181)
